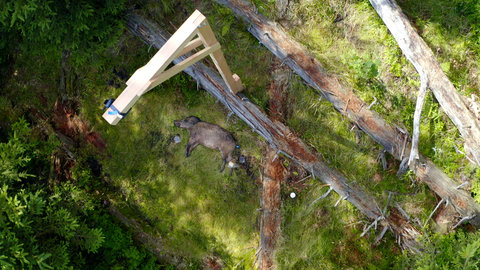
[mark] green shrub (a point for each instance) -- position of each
(50, 27)
(58, 227)
(452, 251)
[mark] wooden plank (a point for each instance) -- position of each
(140, 81)
(191, 46)
(135, 74)
(182, 65)
(208, 37)
(176, 43)
(281, 138)
(152, 74)
(128, 95)
(347, 103)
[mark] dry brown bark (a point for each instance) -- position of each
(274, 174)
(280, 109)
(280, 137)
(431, 74)
(393, 139)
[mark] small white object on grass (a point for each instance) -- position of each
(293, 195)
(177, 139)
(231, 164)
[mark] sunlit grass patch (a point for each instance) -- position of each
(321, 235)
(201, 211)
(197, 210)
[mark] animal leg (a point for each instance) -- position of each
(190, 146)
(225, 158)
(223, 165)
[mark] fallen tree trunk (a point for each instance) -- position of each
(280, 137)
(393, 139)
(422, 58)
(273, 174)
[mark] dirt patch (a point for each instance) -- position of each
(297, 178)
(72, 131)
(212, 263)
(280, 108)
(68, 123)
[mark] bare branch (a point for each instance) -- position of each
(380, 236)
(321, 197)
(414, 157)
(467, 218)
(374, 223)
(402, 211)
(431, 214)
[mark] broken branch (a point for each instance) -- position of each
(414, 157)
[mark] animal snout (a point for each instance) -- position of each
(176, 123)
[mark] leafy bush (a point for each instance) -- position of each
(49, 27)
(59, 227)
(452, 251)
(36, 226)
(118, 250)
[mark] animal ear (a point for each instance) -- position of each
(194, 119)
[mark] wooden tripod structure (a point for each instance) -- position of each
(153, 73)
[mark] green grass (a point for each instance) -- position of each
(327, 237)
(201, 212)
(197, 210)
(194, 206)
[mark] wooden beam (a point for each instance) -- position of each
(233, 81)
(153, 73)
(191, 46)
(140, 81)
(182, 65)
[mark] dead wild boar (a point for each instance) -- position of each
(208, 135)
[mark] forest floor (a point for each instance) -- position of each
(190, 204)
(211, 219)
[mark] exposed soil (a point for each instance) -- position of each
(279, 105)
(71, 125)
(72, 131)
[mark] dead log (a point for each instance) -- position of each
(274, 173)
(422, 58)
(278, 135)
(347, 103)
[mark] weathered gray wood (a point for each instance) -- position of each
(414, 155)
(280, 137)
(347, 103)
(422, 58)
